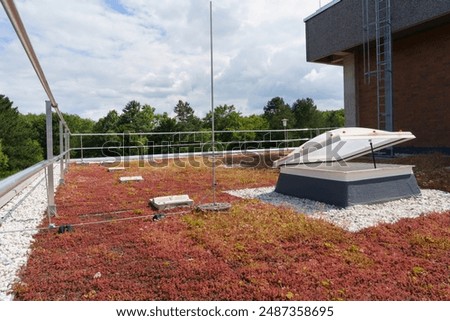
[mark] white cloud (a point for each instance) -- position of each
(314, 76)
(98, 55)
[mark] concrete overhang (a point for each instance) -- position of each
(337, 28)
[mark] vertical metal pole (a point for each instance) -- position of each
(123, 147)
(67, 140)
(51, 209)
(285, 139)
(81, 146)
(373, 154)
(284, 120)
(212, 105)
(61, 152)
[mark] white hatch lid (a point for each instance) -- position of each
(343, 144)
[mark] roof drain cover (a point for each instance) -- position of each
(214, 207)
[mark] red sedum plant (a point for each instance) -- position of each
(255, 251)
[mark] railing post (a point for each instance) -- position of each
(61, 152)
(81, 148)
(67, 149)
(51, 209)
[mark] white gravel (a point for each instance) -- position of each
(357, 217)
(24, 212)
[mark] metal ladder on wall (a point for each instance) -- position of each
(377, 25)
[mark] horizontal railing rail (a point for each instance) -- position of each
(97, 145)
(322, 129)
(169, 148)
(14, 184)
(199, 144)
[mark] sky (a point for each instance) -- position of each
(98, 55)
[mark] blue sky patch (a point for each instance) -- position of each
(116, 5)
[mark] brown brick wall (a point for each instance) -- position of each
(421, 72)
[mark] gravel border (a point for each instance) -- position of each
(21, 215)
(357, 217)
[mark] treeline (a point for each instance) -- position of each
(23, 137)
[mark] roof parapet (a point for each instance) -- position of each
(321, 9)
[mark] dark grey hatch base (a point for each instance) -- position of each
(347, 192)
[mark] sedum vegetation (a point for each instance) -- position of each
(255, 251)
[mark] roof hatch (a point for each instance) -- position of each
(343, 144)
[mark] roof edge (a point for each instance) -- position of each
(321, 9)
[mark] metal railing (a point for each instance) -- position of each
(154, 145)
(97, 145)
(14, 184)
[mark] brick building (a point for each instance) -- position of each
(420, 66)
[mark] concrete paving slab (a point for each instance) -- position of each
(115, 169)
(164, 202)
(125, 179)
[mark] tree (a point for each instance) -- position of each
(333, 118)
(225, 118)
(128, 116)
(107, 124)
(38, 129)
(185, 118)
(165, 123)
(275, 111)
(3, 160)
(306, 114)
(17, 138)
(252, 123)
(136, 118)
(145, 120)
(76, 124)
(184, 112)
